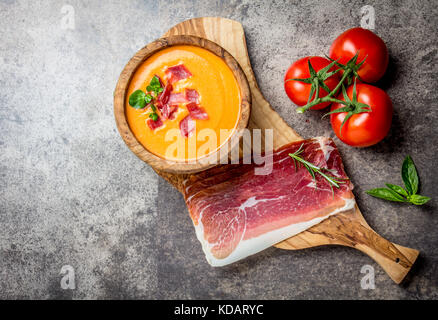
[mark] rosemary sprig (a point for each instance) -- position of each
(313, 169)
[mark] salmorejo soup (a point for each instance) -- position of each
(183, 103)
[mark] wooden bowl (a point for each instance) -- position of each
(121, 90)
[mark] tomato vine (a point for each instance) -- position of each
(316, 80)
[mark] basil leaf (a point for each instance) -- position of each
(137, 99)
(153, 116)
(386, 194)
(148, 98)
(418, 200)
(397, 189)
(397, 193)
(155, 82)
(409, 175)
(155, 86)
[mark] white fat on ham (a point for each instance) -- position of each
(249, 247)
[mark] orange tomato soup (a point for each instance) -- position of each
(219, 96)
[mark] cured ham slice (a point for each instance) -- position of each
(177, 98)
(187, 126)
(237, 213)
(161, 81)
(168, 112)
(192, 95)
(154, 124)
(189, 96)
(176, 73)
(196, 112)
(164, 96)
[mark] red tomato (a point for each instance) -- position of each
(369, 45)
(367, 128)
(299, 91)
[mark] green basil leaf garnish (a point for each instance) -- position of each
(386, 194)
(148, 98)
(418, 200)
(399, 194)
(155, 82)
(155, 86)
(153, 116)
(397, 189)
(137, 99)
(409, 175)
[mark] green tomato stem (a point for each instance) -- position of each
(327, 98)
(344, 76)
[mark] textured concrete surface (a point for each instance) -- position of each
(71, 193)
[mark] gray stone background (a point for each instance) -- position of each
(71, 192)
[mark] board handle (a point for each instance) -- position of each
(396, 260)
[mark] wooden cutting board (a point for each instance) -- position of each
(347, 229)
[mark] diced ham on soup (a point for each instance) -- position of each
(192, 95)
(176, 73)
(168, 111)
(164, 96)
(196, 112)
(154, 124)
(187, 126)
(177, 98)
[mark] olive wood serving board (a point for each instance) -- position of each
(347, 229)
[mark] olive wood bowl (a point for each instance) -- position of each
(121, 91)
